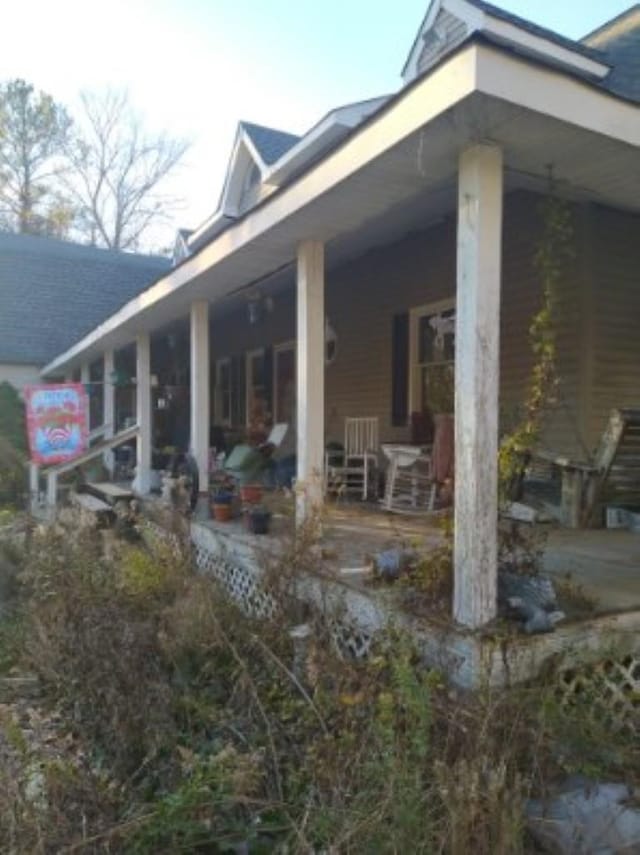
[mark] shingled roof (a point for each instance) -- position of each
(537, 30)
(53, 292)
(619, 41)
(270, 143)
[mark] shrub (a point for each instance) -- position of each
(201, 736)
(13, 475)
(12, 418)
(94, 644)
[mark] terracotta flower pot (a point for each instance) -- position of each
(221, 511)
(251, 494)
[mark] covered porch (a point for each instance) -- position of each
(447, 156)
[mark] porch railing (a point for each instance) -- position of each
(51, 473)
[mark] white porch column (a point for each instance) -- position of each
(477, 384)
(143, 413)
(200, 390)
(108, 403)
(85, 378)
(310, 368)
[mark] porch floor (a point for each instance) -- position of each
(604, 564)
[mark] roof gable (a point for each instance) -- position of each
(449, 22)
(255, 149)
(269, 143)
(619, 40)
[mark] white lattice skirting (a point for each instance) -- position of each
(609, 688)
(610, 683)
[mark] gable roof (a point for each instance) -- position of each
(52, 292)
(537, 30)
(460, 18)
(270, 143)
(619, 41)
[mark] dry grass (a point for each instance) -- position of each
(176, 724)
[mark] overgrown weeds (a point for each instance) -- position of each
(183, 726)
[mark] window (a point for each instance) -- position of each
(223, 399)
(284, 382)
(433, 358)
(257, 392)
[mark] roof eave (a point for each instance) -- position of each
(284, 202)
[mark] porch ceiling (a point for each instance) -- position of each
(377, 192)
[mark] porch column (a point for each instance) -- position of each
(108, 404)
(310, 368)
(85, 379)
(143, 413)
(200, 390)
(477, 384)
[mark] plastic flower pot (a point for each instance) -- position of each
(221, 506)
(258, 520)
(251, 494)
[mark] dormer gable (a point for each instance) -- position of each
(255, 149)
(180, 246)
(448, 23)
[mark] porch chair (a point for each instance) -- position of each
(353, 469)
(612, 476)
(411, 485)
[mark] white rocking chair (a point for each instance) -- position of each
(352, 470)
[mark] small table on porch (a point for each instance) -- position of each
(410, 485)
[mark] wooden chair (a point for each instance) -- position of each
(352, 469)
(612, 476)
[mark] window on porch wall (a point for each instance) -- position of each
(284, 381)
(223, 402)
(433, 358)
(258, 406)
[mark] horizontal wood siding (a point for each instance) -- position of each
(362, 299)
(521, 299)
(364, 295)
(616, 326)
(447, 33)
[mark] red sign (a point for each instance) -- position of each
(56, 422)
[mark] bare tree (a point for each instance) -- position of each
(34, 130)
(118, 171)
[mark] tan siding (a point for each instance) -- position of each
(19, 376)
(232, 334)
(447, 32)
(361, 301)
(521, 296)
(616, 368)
(363, 296)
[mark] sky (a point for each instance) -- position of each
(194, 68)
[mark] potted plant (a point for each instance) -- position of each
(251, 494)
(221, 505)
(258, 519)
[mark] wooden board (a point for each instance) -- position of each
(111, 491)
(90, 503)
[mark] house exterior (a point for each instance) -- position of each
(313, 291)
(52, 292)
